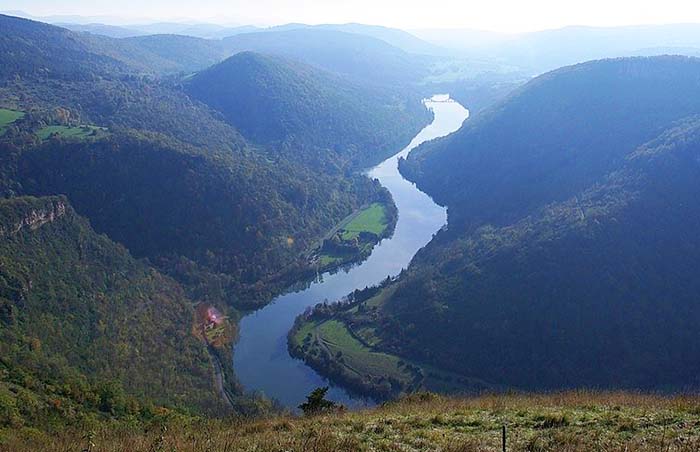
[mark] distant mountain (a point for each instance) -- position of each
(550, 49)
(111, 31)
(571, 251)
(38, 49)
(394, 36)
(360, 58)
(460, 38)
(185, 53)
(207, 31)
(294, 106)
(29, 48)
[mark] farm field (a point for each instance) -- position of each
(69, 132)
(7, 117)
(344, 345)
(354, 238)
(372, 219)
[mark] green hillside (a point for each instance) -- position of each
(570, 254)
(231, 221)
(565, 130)
(218, 223)
(86, 331)
(306, 112)
(227, 222)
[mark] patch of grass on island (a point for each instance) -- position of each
(7, 117)
(72, 132)
(372, 219)
(356, 237)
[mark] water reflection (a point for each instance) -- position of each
(261, 360)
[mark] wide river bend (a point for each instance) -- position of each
(261, 361)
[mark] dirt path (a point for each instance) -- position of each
(219, 377)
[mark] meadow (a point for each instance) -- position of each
(353, 239)
(71, 132)
(571, 421)
(7, 117)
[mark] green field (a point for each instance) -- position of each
(328, 260)
(357, 358)
(372, 219)
(355, 350)
(354, 247)
(7, 117)
(78, 133)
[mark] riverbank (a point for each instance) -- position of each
(353, 240)
(341, 342)
(574, 422)
(261, 358)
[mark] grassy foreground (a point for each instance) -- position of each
(576, 421)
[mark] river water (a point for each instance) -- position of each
(261, 361)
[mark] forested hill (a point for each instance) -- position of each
(571, 252)
(307, 113)
(555, 136)
(34, 49)
(29, 48)
(86, 331)
(168, 179)
(361, 58)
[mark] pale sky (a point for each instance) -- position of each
(497, 15)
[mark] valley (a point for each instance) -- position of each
(260, 355)
(268, 236)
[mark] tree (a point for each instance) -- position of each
(316, 402)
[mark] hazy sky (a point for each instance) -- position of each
(501, 15)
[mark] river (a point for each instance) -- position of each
(261, 361)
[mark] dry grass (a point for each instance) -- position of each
(572, 421)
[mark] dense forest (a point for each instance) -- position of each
(306, 112)
(87, 331)
(570, 254)
(182, 187)
(214, 216)
(148, 181)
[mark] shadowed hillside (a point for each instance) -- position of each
(305, 112)
(570, 254)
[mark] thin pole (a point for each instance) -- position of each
(504, 438)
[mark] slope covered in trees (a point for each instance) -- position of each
(198, 215)
(357, 57)
(86, 331)
(570, 255)
(555, 136)
(171, 181)
(306, 112)
(228, 221)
